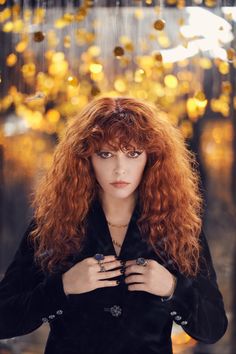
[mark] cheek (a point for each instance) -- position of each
(137, 171)
(96, 167)
(142, 164)
(141, 168)
(101, 171)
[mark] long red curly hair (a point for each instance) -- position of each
(169, 197)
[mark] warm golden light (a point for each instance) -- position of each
(67, 64)
(21, 46)
(216, 145)
(53, 116)
(95, 68)
(72, 80)
(230, 54)
(8, 26)
(11, 59)
(223, 67)
(171, 81)
(28, 70)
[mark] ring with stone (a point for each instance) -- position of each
(99, 257)
(142, 261)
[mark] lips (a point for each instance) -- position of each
(120, 183)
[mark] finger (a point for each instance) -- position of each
(106, 283)
(109, 258)
(133, 262)
(130, 262)
(134, 278)
(108, 275)
(109, 265)
(134, 269)
(134, 287)
(106, 259)
(103, 267)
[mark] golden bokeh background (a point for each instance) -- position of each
(55, 59)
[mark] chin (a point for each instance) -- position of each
(121, 195)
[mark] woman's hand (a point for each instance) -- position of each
(153, 278)
(86, 275)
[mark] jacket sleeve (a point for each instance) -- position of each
(197, 303)
(27, 296)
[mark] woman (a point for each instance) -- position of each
(115, 252)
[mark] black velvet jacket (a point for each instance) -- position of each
(111, 320)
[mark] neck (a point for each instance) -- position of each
(118, 210)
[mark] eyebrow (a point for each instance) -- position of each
(110, 148)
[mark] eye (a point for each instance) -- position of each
(135, 152)
(103, 154)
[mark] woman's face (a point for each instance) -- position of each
(112, 166)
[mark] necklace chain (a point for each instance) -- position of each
(117, 225)
(114, 241)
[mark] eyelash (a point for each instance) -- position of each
(105, 152)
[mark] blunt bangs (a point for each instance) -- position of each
(120, 131)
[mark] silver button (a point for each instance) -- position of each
(51, 317)
(178, 318)
(115, 310)
(184, 322)
(44, 319)
(173, 313)
(59, 312)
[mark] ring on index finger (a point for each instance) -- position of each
(142, 261)
(102, 268)
(99, 257)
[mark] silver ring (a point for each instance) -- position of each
(142, 261)
(102, 268)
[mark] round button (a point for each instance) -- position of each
(183, 322)
(59, 312)
(44, 319)
(116, 310)
(173, 313)
(178, 318)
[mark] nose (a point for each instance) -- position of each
(119, 172)
(120, 167)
